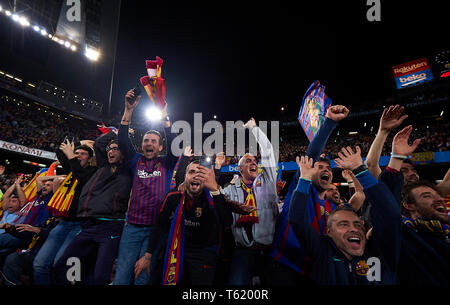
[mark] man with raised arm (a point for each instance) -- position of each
(289, 259)
(253, 233)
(152, 175)
(344, 256)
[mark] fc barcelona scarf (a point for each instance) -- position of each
(173, 259)
(30, 189)
(153, 83)
(433, 226)
(318, 211)
(60, 203)
(249, 200)
(173, 182)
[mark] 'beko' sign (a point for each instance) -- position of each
(412, 72)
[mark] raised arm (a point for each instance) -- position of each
(385, 212)
(334, 115)
(268, 162)
(308, 237)
(100, 148)
(20, 193)
(390, 119)
(444, 185)
(358, 197)
(125, 144)
(391, 175)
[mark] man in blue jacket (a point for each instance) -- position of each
(289, 266)
(344, 256)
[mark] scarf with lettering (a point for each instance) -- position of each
(432, 226)
(173, 259)
(249, 200)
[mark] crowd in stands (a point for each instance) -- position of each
(19, 121)
(18, 127)
(137, 217)
(435, 138)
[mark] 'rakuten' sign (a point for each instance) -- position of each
(412, 72)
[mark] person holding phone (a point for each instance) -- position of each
(152, 176)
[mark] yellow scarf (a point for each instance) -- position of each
(249, 200)
(60, 203)
(30, 189)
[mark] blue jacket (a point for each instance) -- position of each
(329, 265)
(286, 248)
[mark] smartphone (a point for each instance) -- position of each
(206, 161)
(137, 92)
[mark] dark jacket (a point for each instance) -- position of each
(329, 265)
(82, 174)
(106, 193)
(202, 223)
(425, 258)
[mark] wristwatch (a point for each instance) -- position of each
(215, 193)
(359, 169)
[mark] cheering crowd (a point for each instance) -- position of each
(141, 218)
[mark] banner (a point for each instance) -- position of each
(29, 151)
(411, 73)
(72, 21)
(314, 106)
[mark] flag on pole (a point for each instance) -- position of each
(314, 106)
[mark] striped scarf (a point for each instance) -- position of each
(30, 189)
(433, 226)
(249, 200)
(173, 182)
(173, 259)
(60, 202)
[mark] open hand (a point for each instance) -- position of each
(391, 118)
(306, 165)
(348, 159)
(68, 149)
(400, 144)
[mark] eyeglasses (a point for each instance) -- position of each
(112, 148)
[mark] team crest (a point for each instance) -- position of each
(362, 268)
(198, 212)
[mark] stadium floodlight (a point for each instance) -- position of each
(153, 114)
(67, 44)
(15, 17)
(1, 9)
(8, 13)
(23, 21)
(91, 53)
(43, 32)
(73, 47)
(36, 28)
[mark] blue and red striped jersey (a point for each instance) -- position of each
(151, 183)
